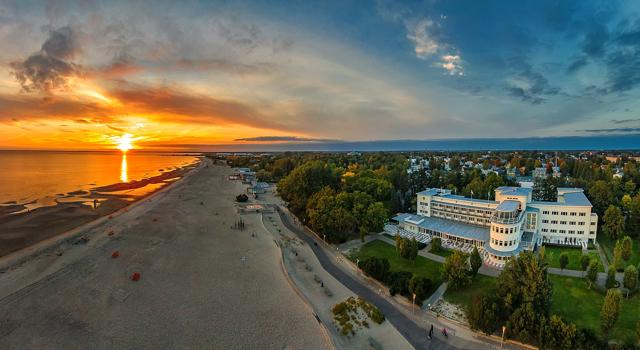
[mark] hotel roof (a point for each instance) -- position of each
(568, 197)
(451, 227)
(514, 191)
(508, 206)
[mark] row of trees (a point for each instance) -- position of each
(399, 282)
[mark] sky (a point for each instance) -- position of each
(182, 74)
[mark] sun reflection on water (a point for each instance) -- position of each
(123, 168)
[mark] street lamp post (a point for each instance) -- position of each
(413, 309)
(502, 340)
(358, 263)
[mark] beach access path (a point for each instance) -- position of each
(203, 284)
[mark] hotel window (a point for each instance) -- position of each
(553, 222)
(563, 231)
(554, 213)
(545, 221)
(593, 232)
(501, 230)
(553, 230)
(580, 232)
(572, 222)
(563, 213)
(563, 222)
(593, 223)
(545, 230)
(545, 212)
(573, 213)
(583, 214)
(571, 232)
(581, 223)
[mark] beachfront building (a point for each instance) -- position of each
(503, 227)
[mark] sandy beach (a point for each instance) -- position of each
(202, 283)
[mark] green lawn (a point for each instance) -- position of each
(574, 302)
(608, 245)
(442, 251)
(421, 267)
(552, 254)
(464, 296)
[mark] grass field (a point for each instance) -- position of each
(608, 245)
(464, 296)
(574, 302)
(442, 251)
(553, 257)
(421, 267)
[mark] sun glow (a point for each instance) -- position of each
(124, 142)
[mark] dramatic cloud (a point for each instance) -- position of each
(50, 68)
(283, 139)
(452, 64)
(529, 85)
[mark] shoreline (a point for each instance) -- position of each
(81, 223)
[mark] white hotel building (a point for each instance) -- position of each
(505, 226)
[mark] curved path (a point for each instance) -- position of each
(414, 333)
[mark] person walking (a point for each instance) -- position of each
(430, 332)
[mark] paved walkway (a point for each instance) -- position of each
(435, 296)
(414, 332)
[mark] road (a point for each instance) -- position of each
(414, 333)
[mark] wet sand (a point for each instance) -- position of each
(22, 230)
(203, 284)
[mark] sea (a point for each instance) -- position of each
(42, 178)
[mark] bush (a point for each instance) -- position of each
(436, 244)
(242, 198)
(377, 268)
(399, 283)
(420, 286)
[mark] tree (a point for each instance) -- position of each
(630, 280)
(613, 220)
(633, 221)
(420, 286)
(536, 289)
(556, 334)
(524, 323)
(305, 180)
(638, 331)
(475, 260)
(564, 260)
(592, 272)
(611, 277)
(398, 242)
(584, 261)
(627, 248)
(601, 195)
(399, 283)
(455, 270)
(485, 313)
(617, 255)
(610, 310)
(377, 268)
(436, 244)
(542, 253)
(413, 252)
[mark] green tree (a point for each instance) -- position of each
(610, 310)
(611, 277)
(564, 260)
(377, 268)
(436, 244)
(617, 255)
(535, 288)
(613, 225)
(398, 242)
(542, 253)
(413, 252)
(584, 261)
(484, 313)
(475, 260)
(630, 280)
(592, 272)
(633, 221)
(420, 286)
(627, 248)
(601, 195)
(305, 180)
(524, 323)
(455, 270)
(638, 331)
(557, 335)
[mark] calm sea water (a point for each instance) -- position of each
(43, 177)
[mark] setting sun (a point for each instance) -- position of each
(124, 142)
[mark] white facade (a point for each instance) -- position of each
(507, 225)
